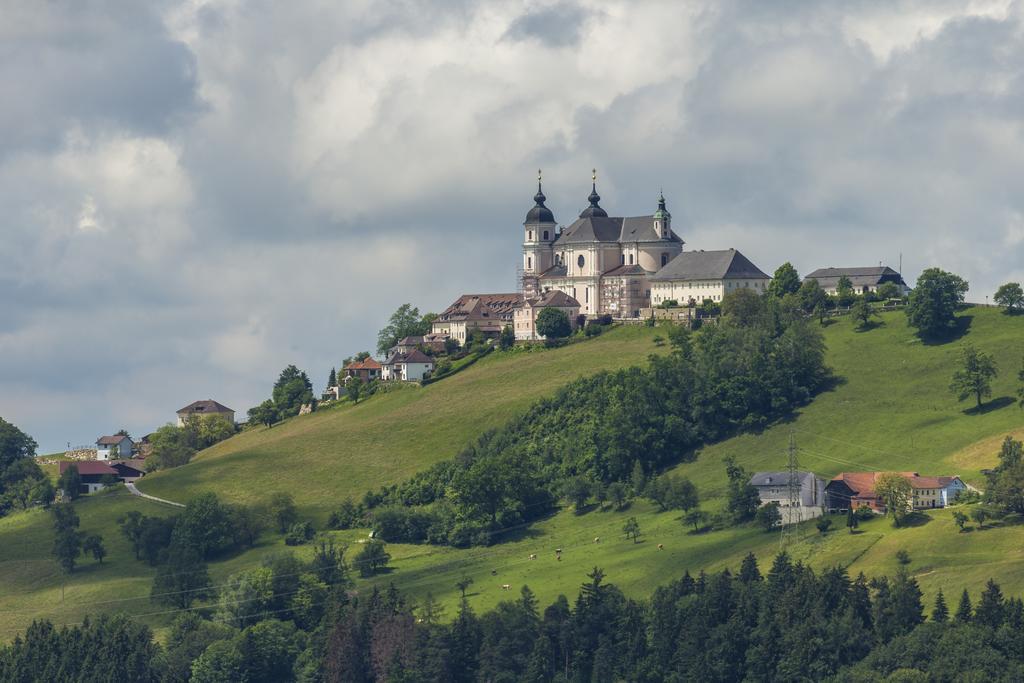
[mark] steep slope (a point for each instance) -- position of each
(345, 451)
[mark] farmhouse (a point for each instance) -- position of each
(857, 489)
(525, 316)
(863, 280)
(113, 447)
(96, 475)
(413, 366)
(207, 407)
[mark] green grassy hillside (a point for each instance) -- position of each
(347, 450)
(891, 410)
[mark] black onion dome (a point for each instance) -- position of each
(594, 211)
(539, 213)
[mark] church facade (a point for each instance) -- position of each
(602, 261)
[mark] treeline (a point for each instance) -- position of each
(296, 621)
(762, 360)
(174, 446)
(22, 482)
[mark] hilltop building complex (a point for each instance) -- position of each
(613, 265)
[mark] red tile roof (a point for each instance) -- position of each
(864, 482)
(365, 364)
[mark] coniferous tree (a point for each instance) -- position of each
(990, 608)
(332, 378)
(851, 519)
(940, 614)
(749, 572)
(964, 611)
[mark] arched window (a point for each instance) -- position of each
(529, 235)
(622, 259)
(529, 263)
(630, 259)
(581, 261)
(664, 259)
(545, 235)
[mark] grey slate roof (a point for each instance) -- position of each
(111, 440)
(207, 406)
(779, 478)
(554, 298)
(828, 278)
(625, 270)
(612, 229)
(709, 265)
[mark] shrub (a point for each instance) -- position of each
(299, 533)
(346, 516)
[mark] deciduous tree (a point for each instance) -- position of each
(406, 321)
(1011, 297)
(934, 301)
(975, 375)
(632, 529)
(895, 491)
(553, 323)
(769, 516)
(785, 281)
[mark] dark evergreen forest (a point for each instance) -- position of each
(788, 624)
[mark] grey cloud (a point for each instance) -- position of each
(558, 25)
(73, 64)
(345, 159)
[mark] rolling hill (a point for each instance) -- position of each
(891, 409)
(346, 450)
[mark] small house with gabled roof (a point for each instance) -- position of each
(203, 408)
(413, 366)
(114, 447)
(524, 321)
(862, 279)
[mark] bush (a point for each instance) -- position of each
(299, 533)
(346, 516)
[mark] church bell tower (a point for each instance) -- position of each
(539, 235)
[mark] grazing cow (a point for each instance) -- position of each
(661, 547)
(558, 551)
(597, 539)
(533, 557)
(506, 586)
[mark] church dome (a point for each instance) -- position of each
(594, 210)
(539, 213)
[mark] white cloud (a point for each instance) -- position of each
(246, 185)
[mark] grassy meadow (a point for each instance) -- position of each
(346, 450)
(890, 409)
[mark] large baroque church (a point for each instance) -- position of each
(618, 265)
(602, 261)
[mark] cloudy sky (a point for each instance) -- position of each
(195, 194)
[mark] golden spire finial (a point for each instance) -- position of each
(538, 175)
(593, 174)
